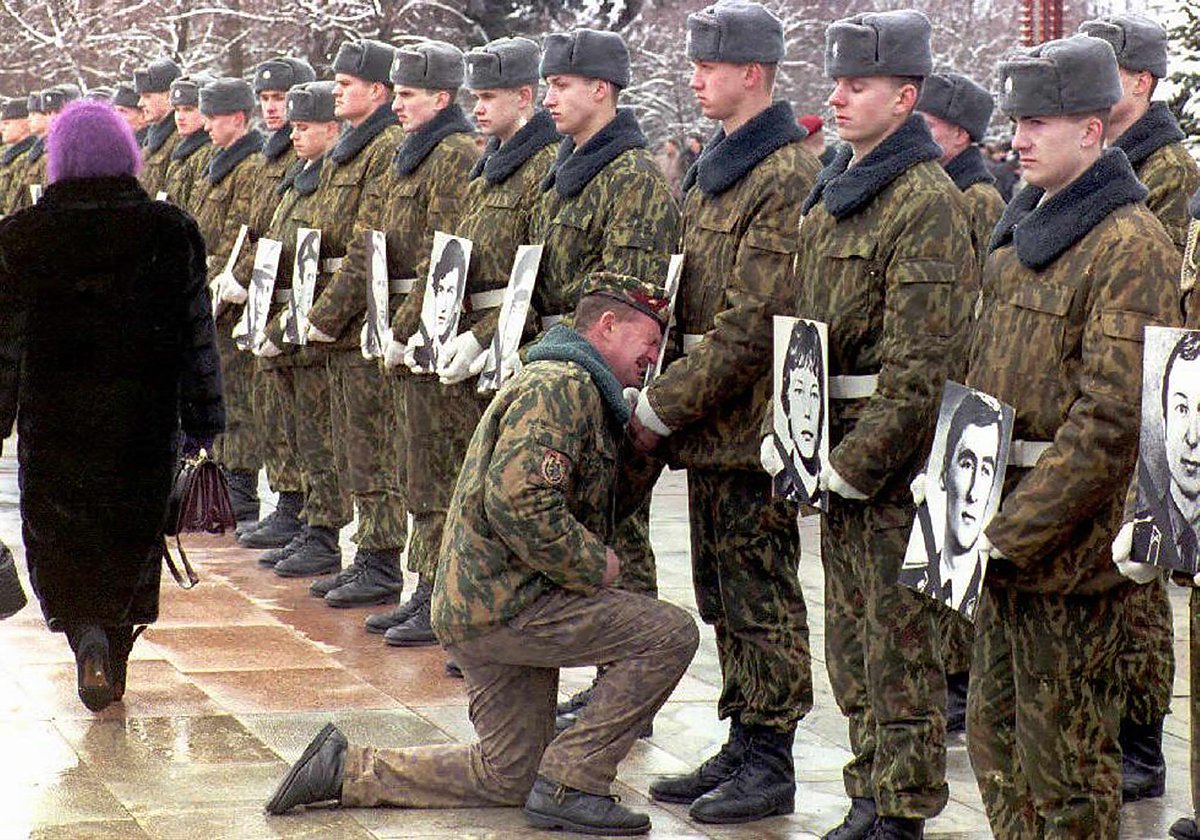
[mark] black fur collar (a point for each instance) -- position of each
(225, 160)
(966, 169)
(1157, 128)
(575, 168)
(160, 133)
(417, 145)
(187, 146)
(278, 143)
(1043, 233)
(307, 176)
(354, 140)
(37, 149)
(499, 162)
(727, 159)
(16, 150)
(848, 189)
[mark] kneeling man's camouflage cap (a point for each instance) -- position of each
(1068, 76)
(735, 32)
(586, 52)
(156, 77)
(365, 59)
(959, 101)
(429, 65)
(879, 44)
(640, 294)
(311, 102)
(226, 96)
(503, 63)
(1139, 42)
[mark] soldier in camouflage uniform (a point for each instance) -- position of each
(36, 149)
(1078, 268)
(524, 588)
(1151, 138)
(958, 111)
(885, 259)
(740, 216)
(153, 86)
(272, 80)
(17, 137)
(124, 100)
(221, 202)
(193, 150)
(360, 396)
(50, 103)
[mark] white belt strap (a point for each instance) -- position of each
(690, 340)
(549, 321)
(486, 300)
(332, 264)
(401, 285)
(853, 387)
(1025, 453)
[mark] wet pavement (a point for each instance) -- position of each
(239, 673)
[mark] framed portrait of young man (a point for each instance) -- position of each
(800, 407)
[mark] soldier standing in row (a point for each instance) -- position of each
(153, 87)
(17, 137)
(37, 130)
(740, 216)
(193, 150)
(884, 259)
(50, 103)
(1078, 268)
(124, 100)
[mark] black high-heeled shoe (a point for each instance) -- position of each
(90, 644)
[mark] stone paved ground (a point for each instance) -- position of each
(229, 686)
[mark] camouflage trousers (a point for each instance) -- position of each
(364, 429)
(1043, 713)
(631, 542)
(512, 685)
(274, 403)
(238, 449)
(745, 557)
(956, 638)
(326, 499)
(1147, 665)
(881, 651)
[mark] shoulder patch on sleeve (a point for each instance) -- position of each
(555, 468)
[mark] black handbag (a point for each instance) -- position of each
(199, 502)
(12, 595)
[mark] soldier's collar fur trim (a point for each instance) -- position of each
(847, 189)
(37, 149)
(575, 168)
(159, 133)
(728, 159)
(1157, 128)
(226, 160)
(187, 146)
(302, 176)
(500, 162)
(417, 145)
(278, 143)
(966, 169)
(1043, 233)
(16, 150)
(563, 344)
(355, 139)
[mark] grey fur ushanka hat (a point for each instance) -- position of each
(1068, 76)
(958, 100)
(879, 44)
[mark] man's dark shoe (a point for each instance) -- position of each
(120, 645)
(92, 670)
(321, 587)
(380, 623)
(689, 787)
(316, 777)
(554, 806)
(1143, 766)
(243, 495)
(279, 527)
(271, 558)
(378, 581)
(319, 555)
(1185, 828)
(956, 702)
(897, 828)
(453, 670)
(417, 631)
(858, 822)
(763, 786)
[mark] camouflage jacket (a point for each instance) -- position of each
(265, 196)
(885, 260)
(739, 239)
(1068, 289)
(155, 161)
(984, 202)
(606, 207)
(1154, 148)
(33, 172)
(14, 175)
(187, 165)
(359, 160)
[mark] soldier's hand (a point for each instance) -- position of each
(231, 290)
(362, 342)
(316, 335)
(830, 481)
(393, 354)
(266, 349)
(768, 456)
(510, 366)
(457, 358)
(481, 362)
(988, 550)
(630, 395)
(612, 567)
(646, 429)
(1122, 544)
(410, 352)
(917, 488)
(1122, 548)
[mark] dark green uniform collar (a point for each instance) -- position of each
(575, 168)
(418, 144)
(187, 146)
(1157, 128)
(355, 139)
(966, 169)
(727, 159)
(226, 160)
(499, 162)
(159, 133)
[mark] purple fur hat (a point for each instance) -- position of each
(89, 139)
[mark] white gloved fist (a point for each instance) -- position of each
(393, 352)
(631, 396)
(917, 488)
(410, 352)
(266, 349)
(648, 418)
(987, 549)
(830, 481)
(362, 342)
(481, 362)
(511, 366)
(231, 290)
(768, 456)
(457, 358)
(319, 337)
(1122, 549)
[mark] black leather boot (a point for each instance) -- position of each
(1185, 828)
(689, 787)
(316, 777)
(92, 670)
(378, 580)
(554, 806)
(279, 527)
(380, 623)
(417, 631)
(269, 559)
(321, 587)
(858, 822)
(897, 828)
(956, 702)
(243, 494)
(763, 786)
(318, 555)
(1143, 767)
(120, 645)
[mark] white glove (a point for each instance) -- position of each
(457, 358)
(393, 352)
(266, 349)
(481, 362)
(917, 488)
(362, 342)
(511, 366)
(1122, 548)
(768, 456)
(631, 395)
(830, 481)
(987, 549)
(316, 335)
(646, 416)
(231, 290)
(410, 352)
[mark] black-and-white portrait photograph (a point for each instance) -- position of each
(800, 407)
(442, 305)
(963, 481)
(514, 310)
(376, 334)
(214, 286)
(674, 270)
(253, 323)
(304, 284)
(1168, 492)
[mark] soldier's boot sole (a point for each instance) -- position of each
(276, 536)
(363, 600)
(420, 641)
(779, 810)
(554, 823)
